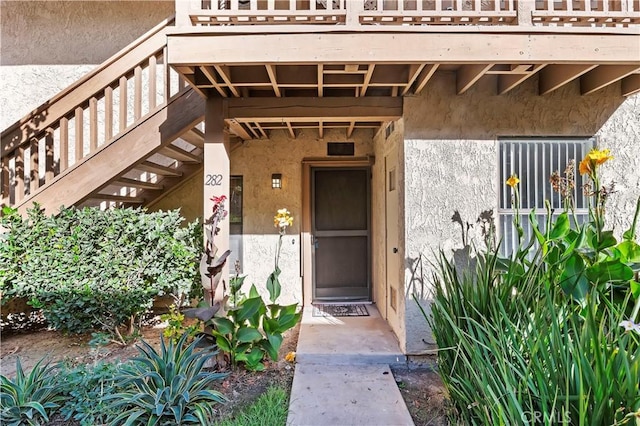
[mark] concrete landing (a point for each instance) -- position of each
(342, 374)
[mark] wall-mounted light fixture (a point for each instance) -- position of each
(276, 181)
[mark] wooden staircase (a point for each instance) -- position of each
(123, 135)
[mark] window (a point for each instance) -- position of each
(534, 160)
(235, 223)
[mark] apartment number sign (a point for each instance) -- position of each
(213, 180)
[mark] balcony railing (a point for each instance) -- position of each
(564, 13)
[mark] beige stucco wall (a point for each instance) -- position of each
(451, 153)
(187, 197)
(51, 44)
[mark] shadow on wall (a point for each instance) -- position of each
(419, 286)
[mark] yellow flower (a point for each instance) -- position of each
(599, 156)
(513, 181)
(585, 166)
(282, 219)
(290, 357)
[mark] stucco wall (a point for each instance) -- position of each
(187, 197)
(51, 44)
(451, 152)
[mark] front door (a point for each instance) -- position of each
(341, 233)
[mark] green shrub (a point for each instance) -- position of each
(92, 269)
(167, 387)
(29, 398)
(548, 336)
(85, 388)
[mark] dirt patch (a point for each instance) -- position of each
(424, 394)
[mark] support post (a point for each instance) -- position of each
(216, 176)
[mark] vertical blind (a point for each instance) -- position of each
(533, 161)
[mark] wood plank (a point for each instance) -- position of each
(122, 121)
(148, 166)
(273, 78)
(414, 72)
(79, 134)
(425, 76)
(209, 72)
(34, 166)
(369, 108)
(121, 155)
(180, 154)
(194, 136)
(49, 171)
(468, 75)
(408, 48)
(555, 76)
(116, 198)
(226, 76)
(630, 85)
(108, 113)
(137, 93)
(507, 82)
(350, 129)
(238, 129)
(153, 91)
(93, 124)
(133, 183)
(292, 132)
(64, 144)
(605, 75)
(19, 175)
(367, 79)
(4, 180)
(320, 80)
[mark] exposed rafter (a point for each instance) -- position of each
(507, 82)
(226, 76)
(631, 85)
(555, 76)
(605, 75)
(274, 80)
(467, 75)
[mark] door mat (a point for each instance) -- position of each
(322, 310)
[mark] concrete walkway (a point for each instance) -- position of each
(342, 373)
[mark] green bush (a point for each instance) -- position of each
(91, 269)
(550, 335)
(167, 387)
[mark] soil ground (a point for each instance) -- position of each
(421, 388)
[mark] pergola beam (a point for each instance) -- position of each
(603, 76)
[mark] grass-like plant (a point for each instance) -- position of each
(271, 408)
(168, 387)
(29, 399)
(548, 336)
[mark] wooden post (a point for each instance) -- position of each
(525, 9)
(216, 175)
(354, 9)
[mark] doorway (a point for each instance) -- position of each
(341, 233)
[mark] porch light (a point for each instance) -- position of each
(276, 181)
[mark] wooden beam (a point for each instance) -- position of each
(194, 136)
(148, 166)
(370, 108)
(180, 154)
(262, 132)
(631, 84)
(117, 198)
(350, 129)
(507, 82)
(226, 76)
(367, 79)
(449, 47)
(238, 129)
(133, 183)
(291, 131)
(320, 80)
(414, 71)
(467, 75)
(554, 76)
(273, 78)
(320, 129)
(209, 72)
(604, 75)
(425, 75)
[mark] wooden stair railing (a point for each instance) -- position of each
(133, 87)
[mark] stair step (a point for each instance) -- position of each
(133, 183)
(180, 154)
(117, 198)
(148, 166)
(195, 137)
